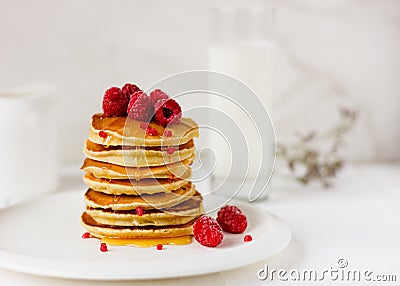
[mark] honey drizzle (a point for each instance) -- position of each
(148, 242)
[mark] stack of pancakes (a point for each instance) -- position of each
(139, 184)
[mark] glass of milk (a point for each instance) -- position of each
(242, 47)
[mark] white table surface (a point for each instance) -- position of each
(358, 219)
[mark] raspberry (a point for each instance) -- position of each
(139, 211)
(171, 150)
(156, 95)
(143, 125)
(140, 107)
(103, 134)
(167, 111)
(151, 131)
(114, 102)
(207, 231)
(231, 219)
(128, 89)
(86, 235)
(168, 133)
(159, 246)
(103, 247)
(247, 238)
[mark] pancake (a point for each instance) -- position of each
(110, 171)
(123, 131)
(131, 156)
(102, 230)
(132, 187)
(177, 215)
(139, 184)
(95, 199)
(140, 150)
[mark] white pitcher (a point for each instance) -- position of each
(28, 163)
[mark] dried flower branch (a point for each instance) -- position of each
(308, 162)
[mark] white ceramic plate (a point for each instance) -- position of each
(43, 237)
